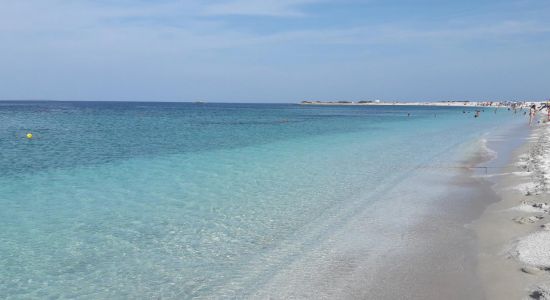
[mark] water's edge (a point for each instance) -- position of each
(445, 265)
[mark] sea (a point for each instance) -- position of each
(157, 200)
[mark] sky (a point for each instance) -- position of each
(274, 50)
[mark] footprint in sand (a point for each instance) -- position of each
(527, 220)
(540, 293)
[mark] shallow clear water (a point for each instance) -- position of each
(173, 200)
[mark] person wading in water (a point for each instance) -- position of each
(532, 113)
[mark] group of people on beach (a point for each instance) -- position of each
(533, 111)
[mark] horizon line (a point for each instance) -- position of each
(267, 102)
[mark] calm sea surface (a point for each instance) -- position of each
(174, 200)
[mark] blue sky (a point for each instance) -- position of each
(274, 50)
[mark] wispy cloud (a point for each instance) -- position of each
(62, 21)
(276, 8)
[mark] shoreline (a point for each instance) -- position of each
(435, 257)
(481, 104)
(514, 251)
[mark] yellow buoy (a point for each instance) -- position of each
(29, 135)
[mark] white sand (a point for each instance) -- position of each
(532, 207)
(534, 249)
(527, 208)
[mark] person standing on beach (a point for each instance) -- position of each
(532, 113)
(547, 106)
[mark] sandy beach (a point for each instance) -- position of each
(513, 236)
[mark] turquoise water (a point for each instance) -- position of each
(173, 200)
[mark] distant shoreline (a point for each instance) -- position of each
(436, 103)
